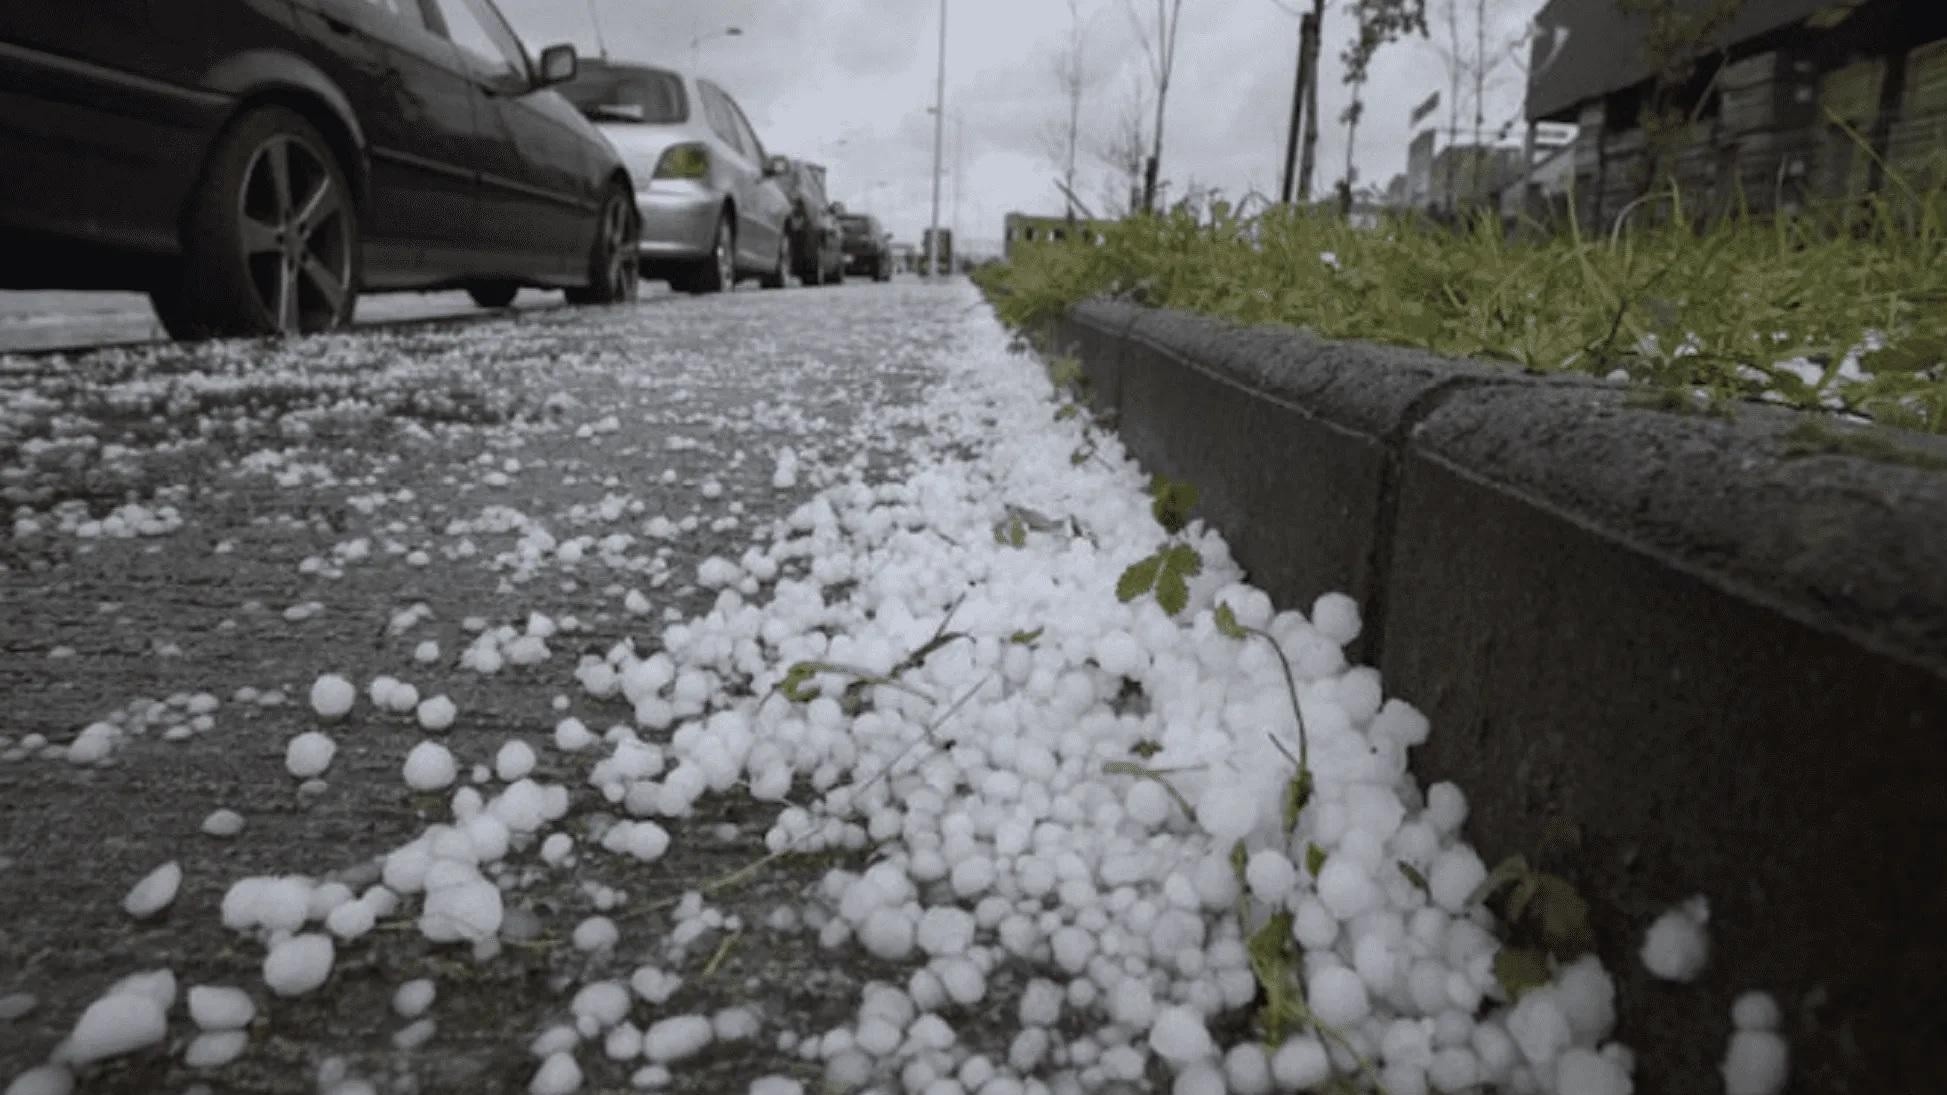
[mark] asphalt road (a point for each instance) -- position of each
(52, 320)
(360, 452)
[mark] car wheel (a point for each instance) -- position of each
(779, 277)
(717, 272)
(613, 276)
(492, 294)
(270, 242)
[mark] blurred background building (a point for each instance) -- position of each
(1792, 103)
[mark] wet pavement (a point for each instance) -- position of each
(291, 504)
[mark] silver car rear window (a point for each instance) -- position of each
(648, 96)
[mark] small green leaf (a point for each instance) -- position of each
(1017, 533)
(1146, 748)
(1274, 959)
(796, 683)
(1139, 579)
(1184, 559)
(1239, 860)
(1521, 896)
(1564, 918)
(1026, 638)
(1505, 872)
(1519, 969)
(1414, 876)
(1227, 624)
(1171, 592)
(1297, 795)
(1314, 859)
(1080, 456)
(1067, 411)
(1171, 502)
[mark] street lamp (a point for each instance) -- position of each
(696, 43)
(939, 135)
(959, 162)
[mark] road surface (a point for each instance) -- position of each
(323, 488)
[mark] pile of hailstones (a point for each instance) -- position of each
(1019, 865)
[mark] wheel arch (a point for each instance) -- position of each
(259, 78)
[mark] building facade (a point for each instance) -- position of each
(1019, 228)
(1797, 103)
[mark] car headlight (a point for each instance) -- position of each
(684, 161)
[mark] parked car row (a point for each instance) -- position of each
(258, 166)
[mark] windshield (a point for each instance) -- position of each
(648, 96)
(856, 226)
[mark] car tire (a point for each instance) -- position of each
(493, 294)
(270, 239)
(717, 271)
(614, 276)
(780, 276)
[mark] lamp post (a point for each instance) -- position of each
(939, 136)
(959, 161)
(696, 43)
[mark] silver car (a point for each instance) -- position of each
(713, 207)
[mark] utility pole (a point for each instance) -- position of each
(939, 135)
(1315, 19)
(959, 169)
(1290, 164)
(601, 46)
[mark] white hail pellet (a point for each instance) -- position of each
(154, 892)
(332, 696)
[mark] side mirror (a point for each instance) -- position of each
(558, 66)
(777, 167)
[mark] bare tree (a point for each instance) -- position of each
(1379, 22)
(1158, 39)
(1073, 75)
(1123, 149)
(1477, 55)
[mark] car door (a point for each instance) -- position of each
(414, 105)
(756, 245)
(769, 203)
(535, 209)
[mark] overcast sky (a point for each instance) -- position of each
(847, 83)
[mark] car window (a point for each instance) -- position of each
(649, 96)
(751, 144)
(483, 39)
(717, 110)
(406, 11)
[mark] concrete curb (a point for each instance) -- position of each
(1717, 648)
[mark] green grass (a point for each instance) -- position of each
(1712, 312)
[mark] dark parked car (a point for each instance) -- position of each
(255, 164)
(817, 241)
(868, 247)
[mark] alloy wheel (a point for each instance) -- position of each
(619, 236)
(296, 236)
(726, 255)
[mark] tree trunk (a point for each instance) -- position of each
(1480, 93)
(1315, 21)
(1290, 164)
